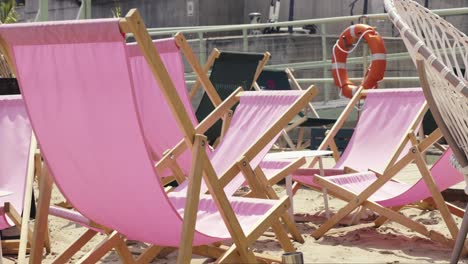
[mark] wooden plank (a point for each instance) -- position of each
(300, 138)
(436, 195)
(101, 249)
(5, 49)
(226, 211)
(216, 251)
(382, 219)
(226, 123)
(288, 221)
(149, 254)
(11, 247)
(123, 251)
(193, 197)
(219, 112)
(296, 123)
(260, 66)
(15, 216)
(288, 139)
(135, 25)
(209, 63)
(297, 86)
(74, 247)
(40, 225)
(266, 221)
(260, 192)
(201, 75)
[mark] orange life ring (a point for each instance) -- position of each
(345, 44)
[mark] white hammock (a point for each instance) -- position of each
(443, 49)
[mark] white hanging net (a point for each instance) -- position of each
(444, 50)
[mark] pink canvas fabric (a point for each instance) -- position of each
(85, 117)
(15, 139)
(256, 112)
(161, 129)
(385, 119)
(395, 193)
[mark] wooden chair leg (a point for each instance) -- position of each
(436, 195)
(265, 188)
(65, 256)
(382, 219)
(40, 225)
(112, 241)
(149, 254)
(193, 197)
(300, 138)
(124, 252)
(390, 214)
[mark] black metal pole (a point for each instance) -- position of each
(291, 14)
(364, 10)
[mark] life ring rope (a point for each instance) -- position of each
(338, 65)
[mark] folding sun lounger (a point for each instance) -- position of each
(367, 149)
(162, 133)
(439, 51)
(379, 133)
(83, 124)
(249, 121)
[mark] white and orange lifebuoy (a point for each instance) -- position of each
(346, 44)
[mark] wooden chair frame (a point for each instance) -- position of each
(355, 200)
(21, 220)
(393, 167)
(201, 167)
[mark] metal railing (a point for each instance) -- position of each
(321, 23)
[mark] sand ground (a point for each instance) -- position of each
(362, 243)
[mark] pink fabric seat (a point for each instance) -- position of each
(15, 142)
(86, 118)
(210, 221)
(254, 115)
(395, 193)
(385, 120)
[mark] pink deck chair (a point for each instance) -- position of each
(16, 166)
(376, 190)
(379, 193)
(247, 123)
(86, 113)
(162, 132)
(395, 193)
(385, 121)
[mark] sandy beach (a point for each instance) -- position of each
(361, 243)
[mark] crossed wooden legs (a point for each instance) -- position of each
(356, 200)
